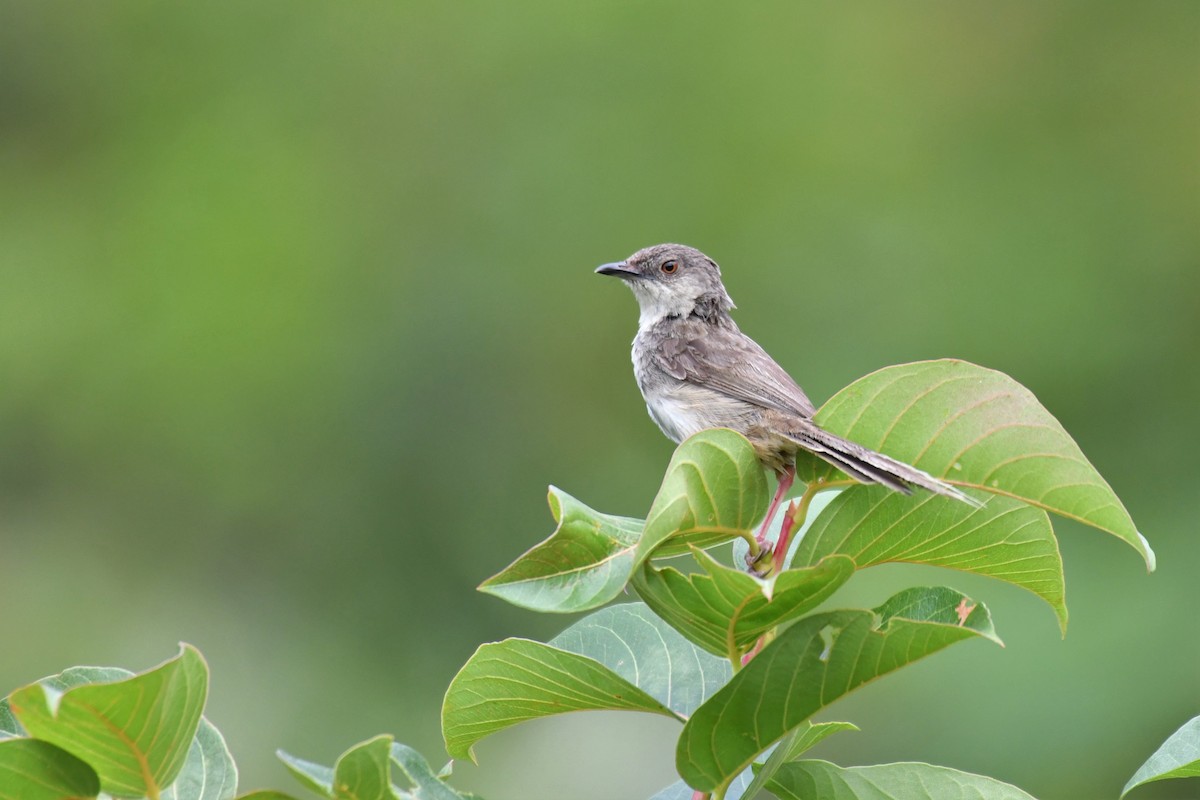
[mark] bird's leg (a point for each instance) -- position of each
(785, 534)
(786, 476)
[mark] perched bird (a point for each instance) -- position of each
(697, 370)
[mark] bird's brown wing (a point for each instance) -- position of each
(727, 361)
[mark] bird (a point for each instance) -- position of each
(696, 370)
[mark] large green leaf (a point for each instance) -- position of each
(804, 780)
(34, 770)
(981, 430)
(1005, 539)
(1178, 757)
(812, 663)
(209, 772)
(135, 732)
(621, 658)
(585, 563)
(725, 610)
(518, 680)
(714, 489)
(636, 644)
(68, 678)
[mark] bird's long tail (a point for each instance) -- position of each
(868, 466)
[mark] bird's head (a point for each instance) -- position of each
(672, 280)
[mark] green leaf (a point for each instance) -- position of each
(8, 723)
(135, 732)
(812, 663)
(803, 780)
(426, 784)
(363, 772)
(725, 610)
(68, 678)
(585, 563)
(34, 770)
(209, 772)
(517, 680)
(1005, 539)
(800, 740)
(981, 430)
(714, 490)
(1178, 757)
(810, 734)
(620, 658)
(265, 794)
(315, 777)
(752, 780)
(633, 642)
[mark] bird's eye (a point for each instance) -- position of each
(669, 266)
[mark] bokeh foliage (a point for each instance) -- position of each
(297, 316)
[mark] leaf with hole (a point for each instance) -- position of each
(812, 663)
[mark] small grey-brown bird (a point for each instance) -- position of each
(697, 370)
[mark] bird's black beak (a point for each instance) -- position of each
(618, 268)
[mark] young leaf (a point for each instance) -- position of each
(1178, 757)
(426, 784)
(209, 772)
(363, 772)
(1005, 539)
(517, 680)
(801, 780)
(135, 733)
(640, 647)
(714, 489)
(725, 610)
(812, 663)
(35, 770)
(315, 777)
(585, 562)
(981, 430)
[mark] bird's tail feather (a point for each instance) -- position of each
(868, 466)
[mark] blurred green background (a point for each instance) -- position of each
(298, 319)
